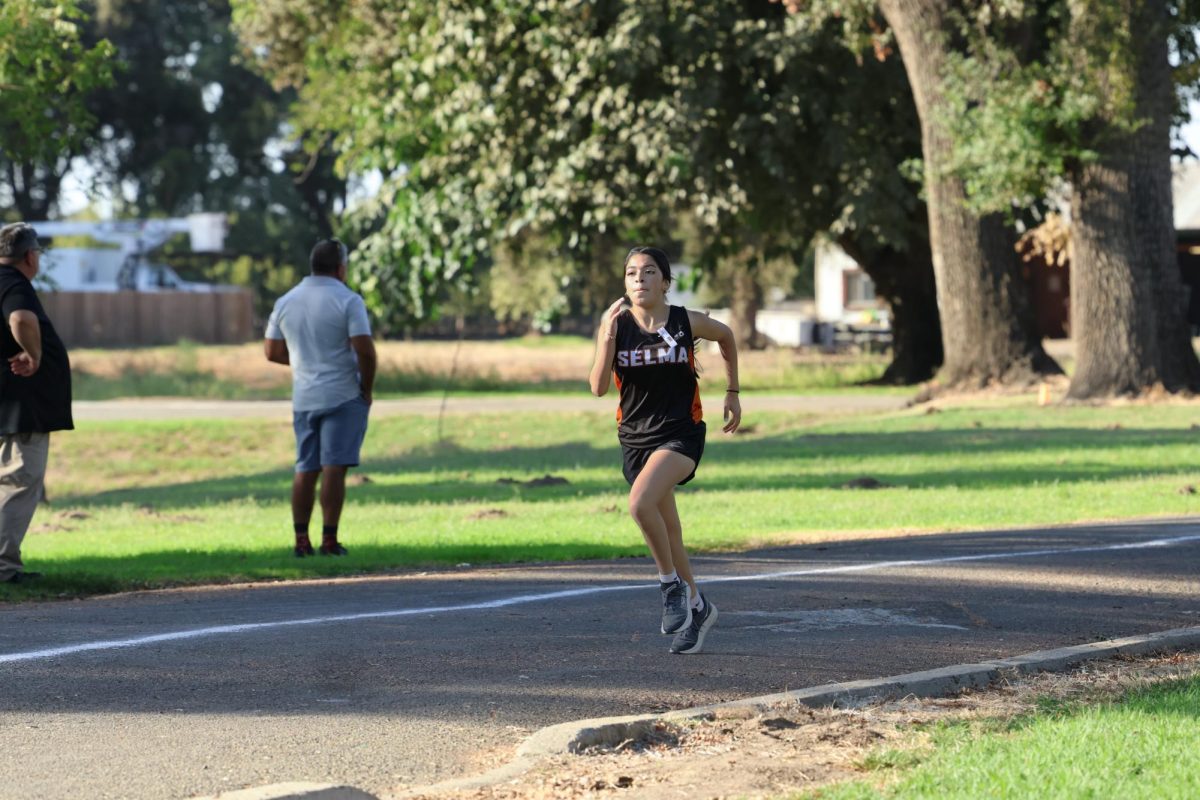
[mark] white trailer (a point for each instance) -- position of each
(128, 265)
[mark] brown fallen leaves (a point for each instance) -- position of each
(741, 754)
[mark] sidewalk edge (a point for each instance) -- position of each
(573, 737)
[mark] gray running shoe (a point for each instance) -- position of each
(690, 638)
(676, 613)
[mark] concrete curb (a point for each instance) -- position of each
(573, 737)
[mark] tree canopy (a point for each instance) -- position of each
(190, 125)
(588, 122)
(1041, 88)
(1077, 99)
(156, 99)
(46, 75)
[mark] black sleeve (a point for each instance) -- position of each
(18, 298)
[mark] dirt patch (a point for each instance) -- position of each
(744, 754)
(545, 480)
(49, 527)
(489, 513)
(147, 510)
(60, 522)
(865, 482)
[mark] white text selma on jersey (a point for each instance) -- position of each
(649, 356)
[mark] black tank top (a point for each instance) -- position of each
(656, 378)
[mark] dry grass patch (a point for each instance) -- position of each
(558, 362)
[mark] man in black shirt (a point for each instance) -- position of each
(35, 394)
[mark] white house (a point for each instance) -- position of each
(845, 294)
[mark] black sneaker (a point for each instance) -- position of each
(304, 549)
(23, 577)
(676, 614)
(690, 639)
(334, 549)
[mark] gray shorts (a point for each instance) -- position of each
(330, 437)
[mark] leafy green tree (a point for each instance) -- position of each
(46, 75)
(794, 135)
(190, 126)
(187, 125)
(987, 322)
(527, 282)
(1084, 92)
(873, 207)
(589, 123)
(487, 122)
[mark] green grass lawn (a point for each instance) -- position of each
(1143, 745)
(166, 503)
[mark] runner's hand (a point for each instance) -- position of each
(733, 412)
(608, 322)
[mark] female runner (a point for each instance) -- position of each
(649, 349)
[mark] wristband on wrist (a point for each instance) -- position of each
(734, 391)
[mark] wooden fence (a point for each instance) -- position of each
(129, 319)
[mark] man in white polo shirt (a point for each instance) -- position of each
(321, 329)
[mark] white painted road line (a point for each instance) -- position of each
(873, 565)
(222, 630)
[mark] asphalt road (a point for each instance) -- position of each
(422, 677)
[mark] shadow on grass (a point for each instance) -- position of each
(95, 574)
(451, 467)
(965, 440)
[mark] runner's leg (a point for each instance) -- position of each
(658, 478)
(679, 555)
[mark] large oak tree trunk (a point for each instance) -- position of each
(905, 280)
(1127, 314)
(988, 328)
(745, 301)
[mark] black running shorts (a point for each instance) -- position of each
(690, 445)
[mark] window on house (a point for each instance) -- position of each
(860, 290)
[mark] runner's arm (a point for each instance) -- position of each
(606, 348)
(705, 327)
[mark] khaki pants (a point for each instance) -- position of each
(23, 458)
